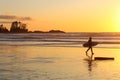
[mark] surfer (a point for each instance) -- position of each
(89, 46)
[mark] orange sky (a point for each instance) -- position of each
(67, 15)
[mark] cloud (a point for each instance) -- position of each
(25, 18)
(13, 17)
(4, 22)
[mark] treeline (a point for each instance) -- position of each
(3, 29)
(19, 27)
(16, 27)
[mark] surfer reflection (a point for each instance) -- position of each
(90, 65)
(90, 47)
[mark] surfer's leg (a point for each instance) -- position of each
(87, 51)
(92, 51)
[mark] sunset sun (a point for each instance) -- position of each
(117, 24)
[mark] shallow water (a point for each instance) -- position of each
(57, 63)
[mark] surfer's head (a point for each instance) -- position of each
(90, 37)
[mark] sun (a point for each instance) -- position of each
(117, 20)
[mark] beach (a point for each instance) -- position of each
(59, 39)
(57, 57)
(56, 63)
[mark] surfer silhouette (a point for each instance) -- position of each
(89, 46)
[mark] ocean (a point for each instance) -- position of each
(58, 56)
(59, 39)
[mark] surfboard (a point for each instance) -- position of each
(104, 58)
(87, 44)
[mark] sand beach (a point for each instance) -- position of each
(56, 63)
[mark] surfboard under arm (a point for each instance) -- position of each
(87, 44)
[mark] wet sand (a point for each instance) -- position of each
(57, 63)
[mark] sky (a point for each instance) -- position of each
(66, 15)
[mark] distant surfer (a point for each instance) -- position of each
(89, 46)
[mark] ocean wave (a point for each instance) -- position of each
(62, 40)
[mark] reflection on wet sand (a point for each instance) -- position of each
(55, 63)
(90, 62)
